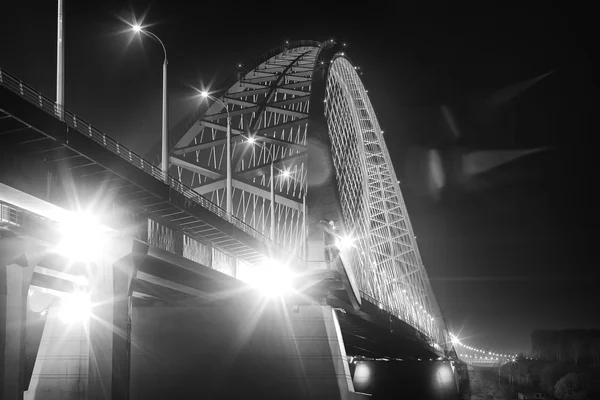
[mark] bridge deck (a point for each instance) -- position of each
(33, 142)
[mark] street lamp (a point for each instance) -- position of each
(229, 193)
(165, 135)
(251, 140)
(60, 65)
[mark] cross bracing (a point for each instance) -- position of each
(387, 264)
(271, 102)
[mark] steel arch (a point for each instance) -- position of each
(283, 99)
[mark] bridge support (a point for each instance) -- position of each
(90, 359)
(16, 269)
(241, 348)
(110, 325)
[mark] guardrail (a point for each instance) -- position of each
(49, 106)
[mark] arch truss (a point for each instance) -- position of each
(271, 102)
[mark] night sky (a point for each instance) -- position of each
(509, 253)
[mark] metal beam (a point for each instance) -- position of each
(195, 168)
(291, 113)
(279, 161)
(207, 145)
(259, 191)
(210, 187)
(214, 117)
(252, 92)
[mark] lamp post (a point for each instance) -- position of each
(229, 188)
(60, 65)
(272, 181)
(165, 135)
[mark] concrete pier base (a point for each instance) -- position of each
(14, 285)
(244, 348)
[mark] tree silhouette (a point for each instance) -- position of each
(572, 386)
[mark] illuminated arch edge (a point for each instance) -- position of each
(386, 260)
(397, 280)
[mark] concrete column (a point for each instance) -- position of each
(90, 359)
(110, 326)
(16, 270)
(61, 367)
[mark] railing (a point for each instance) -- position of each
(182, 127)
(36, 98)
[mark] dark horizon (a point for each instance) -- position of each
(510, 254)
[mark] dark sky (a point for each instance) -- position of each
(513, 253)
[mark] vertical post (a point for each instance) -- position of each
(272, 201)
(304, 233)
(60, 67)
(165, 135)
(229, 172)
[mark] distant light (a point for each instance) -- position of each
(136, 28)
(287, 42)
(344, 44)
(342, 53)
(454, 339)
(75, 307)
(285, 173)
(239, 65)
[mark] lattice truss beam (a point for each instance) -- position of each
(272, 104)
(385, 257)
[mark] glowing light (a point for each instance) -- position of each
(204, 93)
(271, 278)
(81, 280)
(76, 307)
(82, 238)
(251, 140)
(362, 375)
(344, 242)
(136, 28)
(285, 173)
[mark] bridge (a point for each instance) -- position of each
(315, 209)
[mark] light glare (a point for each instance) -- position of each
(271, 278)
(136, 28)
(75, 307)
(82, 238)
(344, 242)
